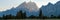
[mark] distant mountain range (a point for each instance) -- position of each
(51, 9)
(30, 8)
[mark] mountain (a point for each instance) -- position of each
(51, 9)
(57, 6)
(30, 8)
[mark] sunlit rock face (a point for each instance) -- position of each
(32, 9)
(28, 6)
(31, 6)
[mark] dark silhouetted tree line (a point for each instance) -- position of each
(19, 15)
(22, 15)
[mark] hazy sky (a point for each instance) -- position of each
(7, 4)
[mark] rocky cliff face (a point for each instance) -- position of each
(51, 9)
(30, 8)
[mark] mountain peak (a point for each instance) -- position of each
(32, 6)
(29, 7)
(49, 4)
(58, 3)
